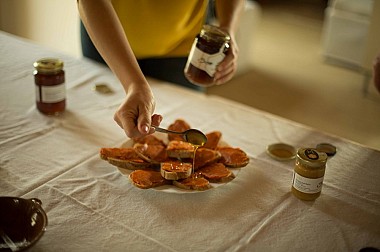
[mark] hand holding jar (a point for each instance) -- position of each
(227, 68)
(212, 59)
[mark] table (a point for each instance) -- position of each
(92, 207)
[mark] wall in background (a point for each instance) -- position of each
(55, 23)
(52, 23)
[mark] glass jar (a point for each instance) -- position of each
(208, 50)
(49, 79)
(309, 171)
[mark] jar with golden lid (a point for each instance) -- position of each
(49, 78)
(208, 50)
(309, 172)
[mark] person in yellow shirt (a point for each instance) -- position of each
(151, 38)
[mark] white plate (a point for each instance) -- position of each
(173, 188)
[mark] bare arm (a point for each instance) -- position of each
(107, 34)
(228, 13)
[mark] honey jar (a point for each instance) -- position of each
(309, 171)
(208, 50)
(49, 79)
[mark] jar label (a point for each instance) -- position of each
(307, 185)
(204, 61)
(51, 94)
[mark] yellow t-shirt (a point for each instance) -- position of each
(161, 28)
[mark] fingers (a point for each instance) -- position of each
(144, 120)
(134, 115)
(125, 117)
(224, 77)
(226, 70)
(156, 120)
(127, 121)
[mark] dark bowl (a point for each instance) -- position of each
(22, 220)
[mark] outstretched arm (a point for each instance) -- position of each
(135, 114)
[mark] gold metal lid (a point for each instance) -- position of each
(311, 157)
(102, 88)
(327, 148)
(281, 151)
(214, 33)
(48, 65)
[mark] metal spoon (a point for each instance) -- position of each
(192, 136)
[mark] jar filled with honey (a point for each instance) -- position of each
(208, 50)
(49, 79)
(309, 171)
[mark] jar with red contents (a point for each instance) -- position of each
(49, 79)
(208, 50)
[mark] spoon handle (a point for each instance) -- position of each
(166, 130)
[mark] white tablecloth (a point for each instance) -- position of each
(92, 207)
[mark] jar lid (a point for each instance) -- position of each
(311, 157)
(212, 32)
(48, 65)
(327, 148)
(102, 88)
(281, 151)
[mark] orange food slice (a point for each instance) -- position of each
(145, 179)
(216, 173)
(233, 157)
(213, 139)
(179, 125)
